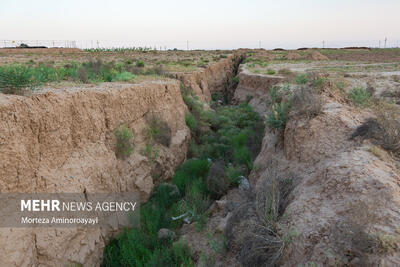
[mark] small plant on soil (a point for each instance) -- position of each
(278, 117)
(124, 147)
(191, 122)
(306, 102)
(271, 72)
(140, 64)
(302, 78)
(359, 96)
(158, 130)
(383, 131)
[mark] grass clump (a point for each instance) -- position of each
(302, 78)
(279, 115)
(191, 122)
(271, 72)
(140, 64)
(13, 79)
(158, 130)
(360, 96)
(124, 77)
(256, 228)
(124, 147)
(306, 102)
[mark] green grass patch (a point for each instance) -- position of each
(124, 77)
(124, 147)
(359, 96)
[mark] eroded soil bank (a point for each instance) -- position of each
(65, 142)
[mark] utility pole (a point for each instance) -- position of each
(187, 45)
(385, 41)
(379, 43)
(259, 44)
(323, 44)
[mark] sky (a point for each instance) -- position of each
(205, 24)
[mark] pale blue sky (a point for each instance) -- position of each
(206, 24)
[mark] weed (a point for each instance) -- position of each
(235, 80)
(302, 78)
(158, 130)
(140, 64)
(190, 170)
(271, 72)
(383, 130)
(124, 77)
(151, 152)
(13, 79)
(359, 96)
(279, 115)
(305, 102)
(217, 184)
(191, 122)
(218, 244)
(341, 85)
(124, 146)
(253, 226)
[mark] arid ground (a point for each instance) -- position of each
(249, 157)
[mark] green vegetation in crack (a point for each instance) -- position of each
(225, 143)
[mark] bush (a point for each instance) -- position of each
(217, 183)
(191, 122)
(158, 130)
(124, 137)
(302, 78)
(359, 96)
(140, 64)
(278, 117)
(123, 77)
(305, 102)
(13, 79)
(383, 130)
(83, 75)
(271, 72)
(254, 227)
(190, 170)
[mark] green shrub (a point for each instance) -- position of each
(235, 80)
(190, 170)
(13, 79)
(124, 146)
(140, 64)
(279, 115)
(191, 122)
(151, 152)
(319, 82)
(359, 96)
(232, 174)
(302, 78)
(271, 72)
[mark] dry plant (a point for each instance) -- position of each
(254, 230)
(384, 130)
(306, 102)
